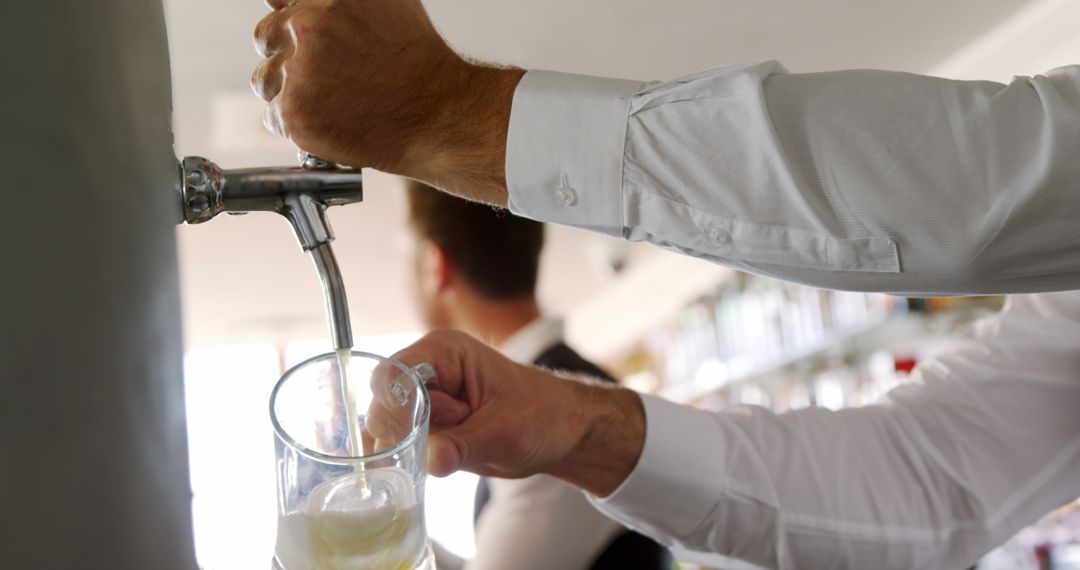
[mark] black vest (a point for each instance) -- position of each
(627, 550)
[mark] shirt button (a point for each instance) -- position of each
(565, 196)
(718, 236)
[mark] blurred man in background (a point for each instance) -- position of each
(476, 270)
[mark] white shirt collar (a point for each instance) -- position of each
(531, 340)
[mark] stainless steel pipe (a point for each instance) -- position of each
(337, 307)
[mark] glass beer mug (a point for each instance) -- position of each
(351, 500)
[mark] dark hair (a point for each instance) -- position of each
(497, 253)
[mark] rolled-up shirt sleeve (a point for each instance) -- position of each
(984, 442)
(861, 180)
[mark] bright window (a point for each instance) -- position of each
(231, 450)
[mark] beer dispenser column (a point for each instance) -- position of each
(95, 471)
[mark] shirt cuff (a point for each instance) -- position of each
(675, 486)
(565, 147)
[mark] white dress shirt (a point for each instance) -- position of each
(985, 442)
(858, 180)
(539, 522)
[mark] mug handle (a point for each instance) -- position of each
(428, 376)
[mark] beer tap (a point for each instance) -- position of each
(301, 194)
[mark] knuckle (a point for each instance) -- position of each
(458, 337)
(261, 31)
(271, 33)
(265, 80)
(258, 81)
(256, 77)
(439, 336)
(264, 33)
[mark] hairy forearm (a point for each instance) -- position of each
(464, 147)
(609, 441)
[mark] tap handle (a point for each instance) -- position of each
(207, 190)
